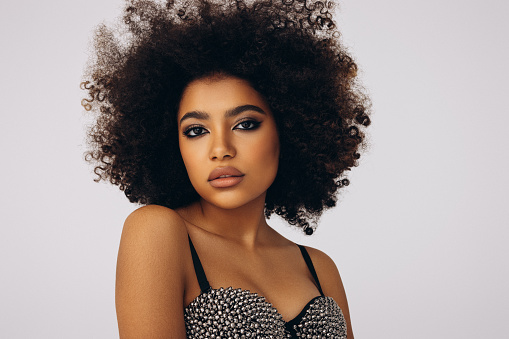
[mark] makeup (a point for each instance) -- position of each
(223, 177)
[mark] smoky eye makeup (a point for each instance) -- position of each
(247, 124)
(244, 122)
(194, 131)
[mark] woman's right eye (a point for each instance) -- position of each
(195, 131)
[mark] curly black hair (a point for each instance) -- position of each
(288, 50)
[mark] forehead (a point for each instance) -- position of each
(216, 95)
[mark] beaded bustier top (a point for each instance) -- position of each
(237, 313)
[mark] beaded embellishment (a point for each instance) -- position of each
(323, 319)
(237, 313)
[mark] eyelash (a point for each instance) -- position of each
(192, 128)
(197, 128)
(255, 124)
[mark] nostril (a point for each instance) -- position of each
(222, 151)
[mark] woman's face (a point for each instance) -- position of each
(228, 140)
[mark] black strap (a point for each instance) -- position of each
(311, 268)
(198, 269)
(204, 283)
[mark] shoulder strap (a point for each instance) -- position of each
(198, 269)
(311, 268)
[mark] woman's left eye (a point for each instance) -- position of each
(248, 125)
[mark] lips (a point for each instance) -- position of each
(225, 177)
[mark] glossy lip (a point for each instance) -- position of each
(225, 177)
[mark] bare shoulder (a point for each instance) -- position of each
(151, 274)
(154, 218)
(331, 283)
(152, 231)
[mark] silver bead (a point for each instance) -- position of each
(237, 313)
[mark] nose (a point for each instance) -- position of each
(222, 147)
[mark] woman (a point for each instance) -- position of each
(215, 116)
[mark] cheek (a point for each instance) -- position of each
(188, 158)
(267, 152)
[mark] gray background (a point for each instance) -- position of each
(419, 236)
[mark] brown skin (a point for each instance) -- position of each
(155, 273)
(247, 141)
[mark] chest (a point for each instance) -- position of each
(284, 280)
(259, 287)
(237, 313)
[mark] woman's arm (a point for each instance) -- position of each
(331, 283)
(151, 275)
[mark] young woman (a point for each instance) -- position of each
(215, 115)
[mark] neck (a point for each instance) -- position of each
(244, 225)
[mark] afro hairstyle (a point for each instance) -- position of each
(288, 50)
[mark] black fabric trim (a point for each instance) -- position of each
(290, 325)
(198, 269)
(311, 268)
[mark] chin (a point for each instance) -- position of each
(233, 200)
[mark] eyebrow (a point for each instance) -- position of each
(228, 114)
